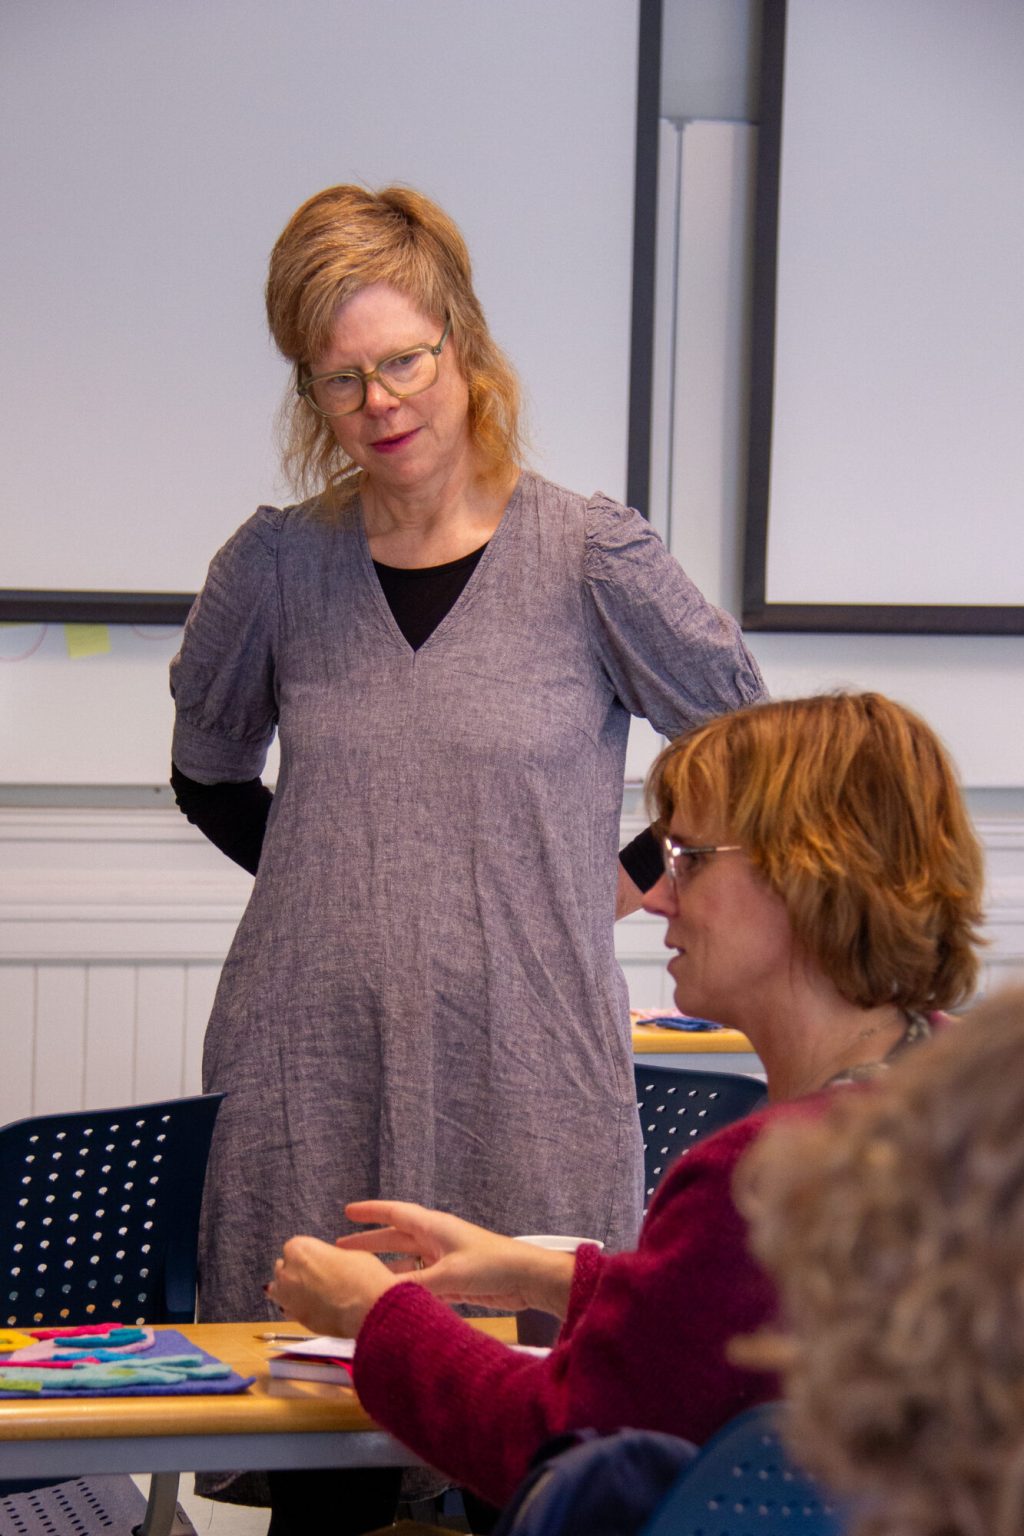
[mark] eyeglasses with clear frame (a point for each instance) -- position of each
(403, 374)
(682, 861)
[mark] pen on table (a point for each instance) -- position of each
(283, 1338)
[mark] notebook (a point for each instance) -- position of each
(320, 1358)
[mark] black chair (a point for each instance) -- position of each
(99, 1220)
(679, 1106)
(743, 1483)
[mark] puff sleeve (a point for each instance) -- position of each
(671, 656)
(223, 678)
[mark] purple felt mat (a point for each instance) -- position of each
(168, 1342)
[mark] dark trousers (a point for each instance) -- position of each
(333, 1502)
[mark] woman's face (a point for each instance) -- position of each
(731, 933)
(404, 445)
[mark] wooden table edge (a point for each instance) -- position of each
(654, 1039)
(271, 1406)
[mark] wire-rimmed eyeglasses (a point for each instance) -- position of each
(682, 860)
(403, 374)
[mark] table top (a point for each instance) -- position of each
(653, 1039)
(273, 1405)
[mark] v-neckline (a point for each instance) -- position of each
(464, 597)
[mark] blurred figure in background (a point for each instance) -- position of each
(895, 1230)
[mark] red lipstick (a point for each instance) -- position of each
(393, 444)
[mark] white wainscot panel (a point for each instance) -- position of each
(1003, 959)
(114, 925)
(113, 928)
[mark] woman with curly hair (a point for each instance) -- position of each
(821, 893)
(894, 1228)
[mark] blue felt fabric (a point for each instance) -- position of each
(169, 1342)
(678, 1021)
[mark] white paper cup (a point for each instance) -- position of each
(533, 1326)
(557, 1241)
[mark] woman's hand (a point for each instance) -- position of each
(328, 1291)
(462, 1262)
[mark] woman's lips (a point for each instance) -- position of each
(393, 444)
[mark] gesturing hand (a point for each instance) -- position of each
(461, 1262)
(330, 1292)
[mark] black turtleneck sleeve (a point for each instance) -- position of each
(232, 816)
(641, 859)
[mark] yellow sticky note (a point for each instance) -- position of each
(87, 640)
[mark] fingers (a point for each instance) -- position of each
(384, 1212)
(381, 1240)
(328, 1291)
(410, 1268)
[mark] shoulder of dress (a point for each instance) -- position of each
(300, 522)
(268, 520)
(599, 502)
(614, 531)
(596, 512)
(547, 495)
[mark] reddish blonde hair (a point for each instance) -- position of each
(347, 238)
(893, 1227)
(848, 805)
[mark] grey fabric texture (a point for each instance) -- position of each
(422, 999)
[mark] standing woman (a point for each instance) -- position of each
(422, 1000)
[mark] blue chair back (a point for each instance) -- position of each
(99, 1213)
(742, 1483)
(678, 1107)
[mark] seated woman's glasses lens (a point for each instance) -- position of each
(680, 860)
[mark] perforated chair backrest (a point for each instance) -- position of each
(99, 1213)
(680, 1106)
(743, 1483)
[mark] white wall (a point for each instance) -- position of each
(105, 719)
(150, 154)
(968, 687)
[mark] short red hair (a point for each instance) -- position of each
(848, 805)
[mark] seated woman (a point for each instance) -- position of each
(894, 1227)
(822, 884)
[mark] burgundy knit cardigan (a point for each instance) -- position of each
(643, 1343)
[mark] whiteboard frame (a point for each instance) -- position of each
(758, 612)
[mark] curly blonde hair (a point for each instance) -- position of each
(347, 238)
(895, 1229)
(849, 807)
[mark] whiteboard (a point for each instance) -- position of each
(150, 154)
(887, 447)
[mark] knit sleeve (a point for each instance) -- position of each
(672, 657)
(585, 1275)
(223, 677)
(643, 1345)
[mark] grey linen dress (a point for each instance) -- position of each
(422, 999)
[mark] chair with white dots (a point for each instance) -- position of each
(99, 1221)
(743, 1483)
(680, 1106)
